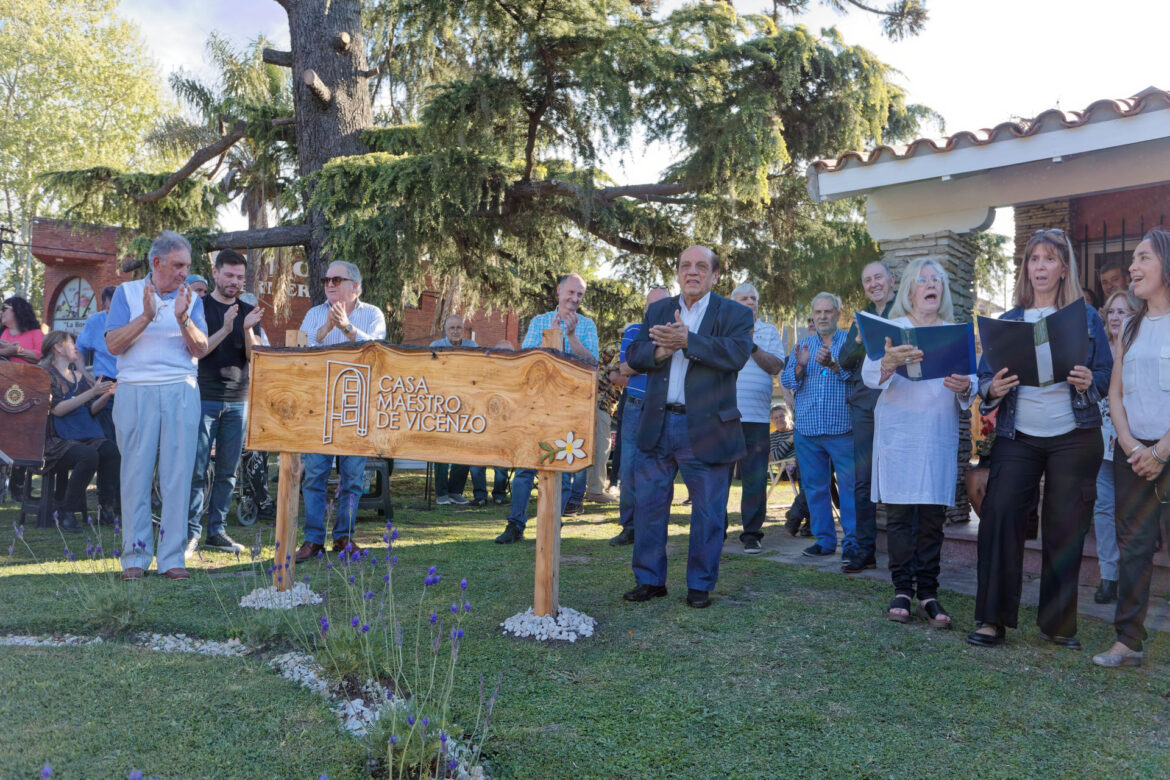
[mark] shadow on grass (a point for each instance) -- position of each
(792, 671)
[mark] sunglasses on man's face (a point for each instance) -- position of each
(328, 280)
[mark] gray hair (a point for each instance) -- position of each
(355, 273)
(745, 287)
(882, 263)
(903, 301)
(828, 295)
(168, 241)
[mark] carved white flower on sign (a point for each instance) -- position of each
(567, 449)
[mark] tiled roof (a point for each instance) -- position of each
(1053, 119)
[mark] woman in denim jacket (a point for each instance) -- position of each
(1051, 432)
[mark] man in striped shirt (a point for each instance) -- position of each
(342, 319)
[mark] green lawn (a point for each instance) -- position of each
(792, 672)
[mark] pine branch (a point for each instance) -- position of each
(199, 158)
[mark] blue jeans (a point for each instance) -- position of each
(707, 484)
(222, 422)
(522, 490)
(819, 457)
(499, 482)
(1104, 525)
(350, 469)
(631, 414)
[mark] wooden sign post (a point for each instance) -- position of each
(529, 409)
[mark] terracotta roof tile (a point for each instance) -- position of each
(1052, 119)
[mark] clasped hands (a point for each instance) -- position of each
(1080, 377)
(337, 317)
(824, 357)
(907, 355)
(670, 337)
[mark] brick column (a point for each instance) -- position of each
(957, 256)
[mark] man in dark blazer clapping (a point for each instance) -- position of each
(691, 348)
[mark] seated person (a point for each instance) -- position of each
(74, 442)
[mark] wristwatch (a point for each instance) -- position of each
(348, 329)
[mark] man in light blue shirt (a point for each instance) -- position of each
(579, 339)
(91, 342)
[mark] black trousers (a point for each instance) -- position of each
(81, 461)
(914, 539)
(1068, 463)
(754, 468)
(1137, 515)
(863, 506)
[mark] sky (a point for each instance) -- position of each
(976, 63)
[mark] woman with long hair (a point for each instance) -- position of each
(1118, 308)
(916, 436)
(1139, 403)
(21, 336)
(1050, 433)
(75, 442)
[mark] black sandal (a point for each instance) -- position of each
(933, 612)
(901, 601)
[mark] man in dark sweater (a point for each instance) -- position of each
(233, 328)
(878, 283)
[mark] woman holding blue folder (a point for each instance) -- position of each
(1051, 432)
(916, 436)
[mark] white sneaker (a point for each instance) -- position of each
(192, 548)
(456, 499)
(444, 500)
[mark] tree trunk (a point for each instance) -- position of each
(327, 130)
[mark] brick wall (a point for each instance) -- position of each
(72, 252)
(1038, 216)
(486, 327)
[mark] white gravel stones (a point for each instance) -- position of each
(569, 625)
(181, 643)
(303, 669)
(63, 640)
(271, 598)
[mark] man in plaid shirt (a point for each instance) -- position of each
(824, 440)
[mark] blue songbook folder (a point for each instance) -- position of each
(946, 349)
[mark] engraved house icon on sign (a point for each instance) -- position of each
(347, 398)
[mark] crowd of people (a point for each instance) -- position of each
(690, 389)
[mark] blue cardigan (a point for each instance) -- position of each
(1086, 411)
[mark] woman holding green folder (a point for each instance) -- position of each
(916, 435)
(1051, 432)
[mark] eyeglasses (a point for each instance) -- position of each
(328, 280)
(1042, 231)
(930, 280)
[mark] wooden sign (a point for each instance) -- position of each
(24, 408)
(529, 409)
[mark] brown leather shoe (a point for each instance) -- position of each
(307, 551)
(177, 573)
(132, 573)
(339, 544)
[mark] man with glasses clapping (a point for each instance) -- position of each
(342, 319)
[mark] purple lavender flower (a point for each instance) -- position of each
(426, 721)
(329, 566)
(452, 764)
(351, 578)
(454, 609)
(134, 775)
(355, 622)
(320, 553)
(467, 606)
(409, 720)
(443, 737)
(117, 553)
(365, 628)
(306, 579)
(373, 559)
(160, 533)
(394, 534)
(394, 737)
(355, 556)
(394, 560)
(389, 525)
(98, 551)
(324, 625)
(385, 578)
(46, 770)
(463, 584)
(434, 618)
(277, 544)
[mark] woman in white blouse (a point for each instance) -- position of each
(916, 437)
(1139, 403)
